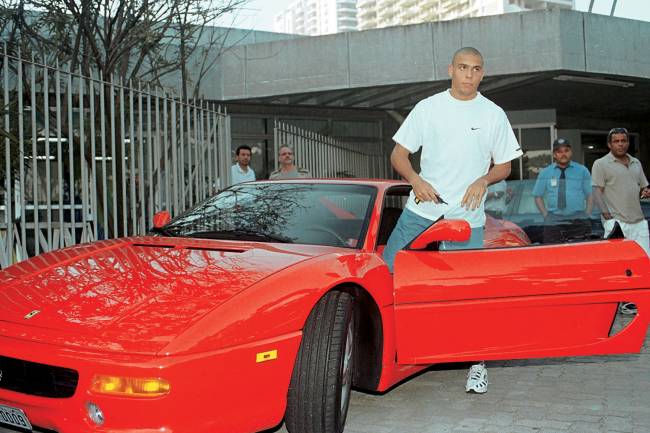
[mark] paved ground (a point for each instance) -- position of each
(568, 395)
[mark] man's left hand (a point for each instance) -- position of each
(474, 194)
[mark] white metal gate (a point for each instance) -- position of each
(85, 158)
(326, 157)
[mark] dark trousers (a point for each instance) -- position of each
(566, 228)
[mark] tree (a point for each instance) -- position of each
(130, 39)
(125, 40)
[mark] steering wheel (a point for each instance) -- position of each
(321, 228)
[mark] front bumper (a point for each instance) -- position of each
(227, 390)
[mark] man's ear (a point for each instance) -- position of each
(450, 70)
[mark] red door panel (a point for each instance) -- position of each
(519, 303)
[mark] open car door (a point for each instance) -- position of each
(524, 302)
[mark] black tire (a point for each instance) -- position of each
(319, 392)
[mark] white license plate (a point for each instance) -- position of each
(14, 417)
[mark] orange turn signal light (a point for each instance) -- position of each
(147, 387)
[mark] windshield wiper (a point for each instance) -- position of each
(163, 231)
(240, 234)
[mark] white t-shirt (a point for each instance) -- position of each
(239, 175)
(458, 140)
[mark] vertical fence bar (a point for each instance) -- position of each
(123, 177)
(309, 157)
(209, 136)
(168, 164)
(59, 152)
(82, 163)
(201, 150)
(224, 153)
(174, 172)
(21, 155)
(8, 253)
(141, 200)
(158, 155)
(181, 154)
(276, 138)
(228, 138)
(191, 167)
(150, 156)
(93, 157)
(196, 145)
(33, 102)
(132, 199)
(215, 139)
(69, 106)
(319, 163)
(48, 171)
(115, 209)
(102, 127)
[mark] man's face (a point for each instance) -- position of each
(562, 155)
(466, 73)
(286, 156)
(244, 157)
(618, 144)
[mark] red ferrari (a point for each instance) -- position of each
(270, 301)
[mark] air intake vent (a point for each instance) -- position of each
(37, 379)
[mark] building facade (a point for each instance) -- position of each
(386, 13)
(556, 72)
(317, 17)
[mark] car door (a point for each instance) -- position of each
(525, 302)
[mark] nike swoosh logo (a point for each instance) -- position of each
(474, 129)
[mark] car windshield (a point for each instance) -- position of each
(318, 214)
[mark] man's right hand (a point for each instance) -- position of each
(423, 190)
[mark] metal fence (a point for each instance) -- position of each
(85, 158)
(324, 156)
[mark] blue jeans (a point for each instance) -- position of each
(410, 225)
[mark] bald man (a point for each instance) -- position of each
(460, 132)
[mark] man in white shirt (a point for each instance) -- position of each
(241, 171)
(460, 132)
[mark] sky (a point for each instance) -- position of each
(259, 14)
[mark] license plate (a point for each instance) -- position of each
(14, 417)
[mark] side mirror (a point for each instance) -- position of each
(161, 219)
(443, 230)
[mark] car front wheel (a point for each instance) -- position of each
(319, 393)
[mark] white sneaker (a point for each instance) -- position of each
(477, 379)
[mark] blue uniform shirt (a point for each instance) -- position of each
(578, 187)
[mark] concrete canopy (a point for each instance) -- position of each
(527, 55)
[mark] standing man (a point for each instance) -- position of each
(241, 171)
(619, 182)
(563, 196)
(460, 132)
(288, 169)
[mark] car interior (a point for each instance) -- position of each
(394, 203)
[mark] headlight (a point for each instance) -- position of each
(130, 386)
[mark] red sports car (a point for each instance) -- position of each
(270, 301)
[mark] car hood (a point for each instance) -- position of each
(131, 295)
